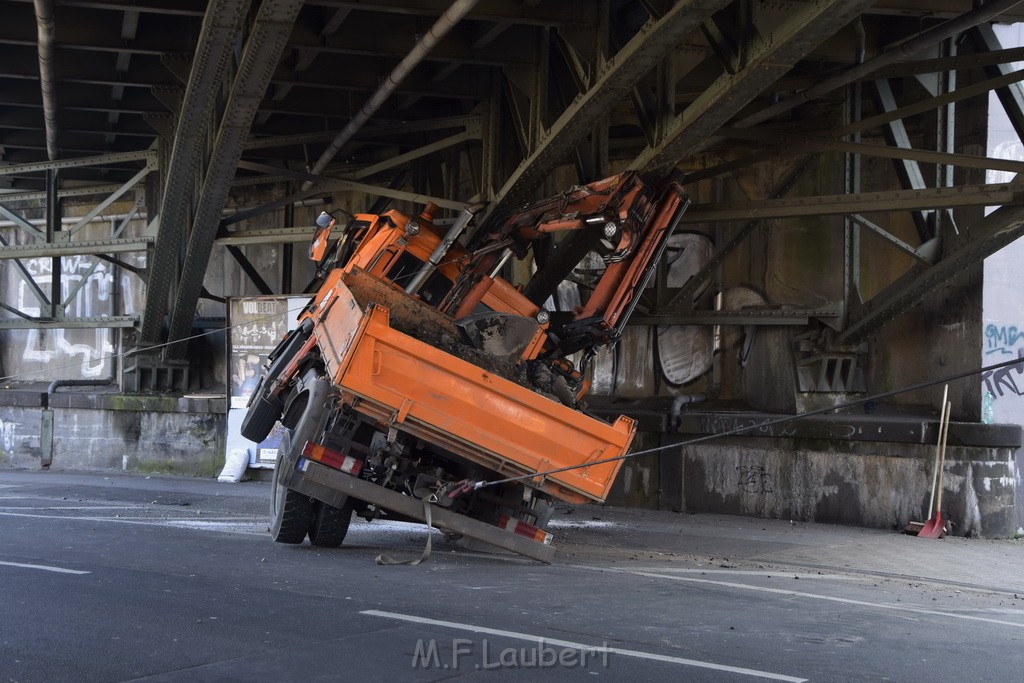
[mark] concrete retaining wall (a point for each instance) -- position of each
(880, 485)
(113, 432)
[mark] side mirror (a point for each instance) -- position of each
(318, 247)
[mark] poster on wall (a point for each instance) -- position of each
(256, 325)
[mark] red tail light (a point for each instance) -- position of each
(523, 529)
(333, 459)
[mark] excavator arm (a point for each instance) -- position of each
(622, 220)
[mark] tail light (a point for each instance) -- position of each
(523, 529)
(332, 459)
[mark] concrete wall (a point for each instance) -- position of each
(107, 432)
(866, 484)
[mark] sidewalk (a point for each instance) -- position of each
(615, 535)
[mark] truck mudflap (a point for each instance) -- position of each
(472, 412)
(332, 487)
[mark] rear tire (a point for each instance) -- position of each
(291, 513)
(330, 524)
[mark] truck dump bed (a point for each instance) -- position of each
(464, 407)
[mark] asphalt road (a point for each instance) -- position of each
(115, 578)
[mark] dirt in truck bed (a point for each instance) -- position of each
(421, 322)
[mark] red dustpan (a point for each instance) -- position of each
(936, 526)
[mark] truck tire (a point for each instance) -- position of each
(262, 415)
(263, 411)
(330, 524)
(292, 513)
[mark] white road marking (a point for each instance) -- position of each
(224, 525)
(811, 596)
(43, 567)
(639, 654)
(69, 507)
(780, 574)
(580, 524)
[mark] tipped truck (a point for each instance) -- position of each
(416, 370)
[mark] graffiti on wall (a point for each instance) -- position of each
(754, 479)
(1003, 382)
(1003, 340)
(92, 349)
(7, 436)
(1002, 390)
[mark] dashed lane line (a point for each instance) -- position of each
(43, 567)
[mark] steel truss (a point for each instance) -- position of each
(518, 92)
(55, 236)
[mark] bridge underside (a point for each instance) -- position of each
(161, 157)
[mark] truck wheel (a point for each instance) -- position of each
(330, 524)
(264, 412)
(262, 415)
(291, 513)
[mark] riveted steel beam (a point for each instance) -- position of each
(322, 184)
(21, 222)
(907, 170)
(216, 41)
(73, 248)
(888, 237)
(959, 62)
(768, 58)
(178, 8)
(276, 236)
(863, 202)
(44, 302)
(102, 160)
(655, 40)
(1010, 96)
(960, 94)
(100, 322)
(794, 142)
(368, 133)
(908, 48)
(88, 68)
(266, 42)
(748, 316)
(683, 299)
(447, 142)
(548, 14)
(88, 191)
(992, 233)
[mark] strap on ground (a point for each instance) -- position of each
(388, 560)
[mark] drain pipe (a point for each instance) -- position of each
(677, 407)
(46, 426)
(47, 83)
(458, 9)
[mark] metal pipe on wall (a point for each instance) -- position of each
(448, 20)
(45, 28)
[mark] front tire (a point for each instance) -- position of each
(292, 513)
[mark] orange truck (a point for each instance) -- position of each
(416, 371)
